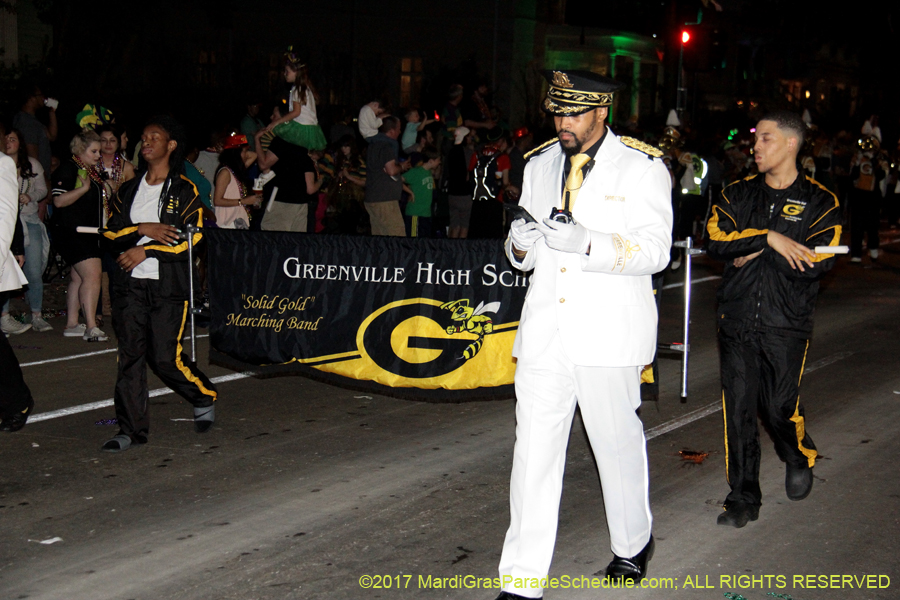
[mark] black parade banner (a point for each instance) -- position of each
(432, 320)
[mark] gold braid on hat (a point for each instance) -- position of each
(562, 89)
(579, 97)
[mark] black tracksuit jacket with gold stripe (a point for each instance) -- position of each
(766, 294)
(179, 206)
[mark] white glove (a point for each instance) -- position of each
(523, 235)
(565, 237)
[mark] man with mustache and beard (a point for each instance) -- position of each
(588, 326)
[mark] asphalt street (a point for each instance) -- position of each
(303, 490)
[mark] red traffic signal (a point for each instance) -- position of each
(685, 36)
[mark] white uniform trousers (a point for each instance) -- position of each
(547, 391)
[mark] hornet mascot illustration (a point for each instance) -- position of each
(467, 320)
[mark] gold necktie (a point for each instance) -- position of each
(575, 179)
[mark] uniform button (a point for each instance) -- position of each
(563, 270)
(561, 300)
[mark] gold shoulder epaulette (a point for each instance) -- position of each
(640, 146)
(541, 148)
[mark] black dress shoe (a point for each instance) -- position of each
(738, 514)
(508, 596)
(798, 482)
(17, 420)
(632, 569)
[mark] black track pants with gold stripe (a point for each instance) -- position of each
(149, 331)
(761, 374)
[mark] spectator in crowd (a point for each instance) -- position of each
(198, 177)
(477, 114)
(490, 172)
(296, 181)
(458, 187)
(342, 126)
(420, 180)
(151, 299)
(251, 122)
(344, 179)
(77, 190)
(232, 197)
(319, 203)
(123, 144)
(116, 167)
(16, 403)
(370, 118)
(300, 124)
(35, 135)
(207, 161)
(32, 188)
(416, 123)
(523, 141)
(451, 118)
(424, 139)
(383, 182)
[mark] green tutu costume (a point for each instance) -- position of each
(310, 137)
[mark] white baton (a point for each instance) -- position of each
(832, 250)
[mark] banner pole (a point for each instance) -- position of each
(687, 317)
(685, 346)
(191, 229)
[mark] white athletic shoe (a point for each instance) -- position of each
(39, 324)
(875, 253)
(11, 326)
(95, 335)
(77, 331)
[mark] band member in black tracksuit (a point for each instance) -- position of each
(765, 228)
(867, 168)
(152, 285)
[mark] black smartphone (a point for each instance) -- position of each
(517, 212)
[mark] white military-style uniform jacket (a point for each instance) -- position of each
(601, 303)
(11, 276)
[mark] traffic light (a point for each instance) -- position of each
(696, 44)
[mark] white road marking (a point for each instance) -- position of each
(715, 407)
(651, 433)
(674, 424)
(74, 410)
(85, 355)
(693, 281)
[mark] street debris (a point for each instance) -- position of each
(48, 542)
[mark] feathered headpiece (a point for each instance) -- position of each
(92, 117)
(292, 59)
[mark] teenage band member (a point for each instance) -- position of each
(766, 228)
(152, 286)
(587, 328)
